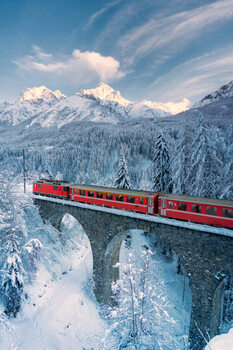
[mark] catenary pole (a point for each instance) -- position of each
(24, 172)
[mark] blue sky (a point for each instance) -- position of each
(159, 50)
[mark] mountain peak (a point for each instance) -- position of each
(224, 91)
(105, 92)
(40, 93)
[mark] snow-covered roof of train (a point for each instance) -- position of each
(55, 182)
(112, 190)
(203, 200)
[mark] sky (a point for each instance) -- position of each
(158, 50)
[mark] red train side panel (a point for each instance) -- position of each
(110, 199)
(52, 189)
(201, 210)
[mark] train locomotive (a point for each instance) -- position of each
(208, 211)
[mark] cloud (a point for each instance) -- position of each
(97, 14)
(197, 77)
(172, 32)
(171, 107)
(79, 65)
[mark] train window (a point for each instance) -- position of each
(227, 212)
(55, 188)
(40, 186)
(130, 199)
(140, 200)
(99, 195)
(182, 206)
(109, 196)
(211, 210)
(82, 193)
(66, 189)
(196, 208)
(119, 197)
(170, 204)
(90, 194)
(75, 191)
(163, 203)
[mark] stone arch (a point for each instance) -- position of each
(111, 258)
(56, 221)
(112, 253)
(218, 312)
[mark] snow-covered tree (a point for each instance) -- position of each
(226, 188)
(12, 235)
(205, 164)
(145, 184)
(12, 280)
(161, 166)
(32, 255)
(181, 161)
(141, 311)
(122, 178)
(59, 176)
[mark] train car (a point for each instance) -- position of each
(51, 188)
(138, 201)
(202, 210)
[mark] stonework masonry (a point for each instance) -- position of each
(206, 258)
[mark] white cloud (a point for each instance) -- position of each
(171, 107)
(197, 77)
(85, 66)
(97, 14)
(173, 32)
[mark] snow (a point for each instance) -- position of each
(221, 342)
(41, 92)
(223, 92)
(53, 109)
(106, 92)
(60, 311)
(186, 224)
(162, 305)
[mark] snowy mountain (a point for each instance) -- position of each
(52, 108)
(224, 92)
(30, 103)
(105, 92)
(38, 95)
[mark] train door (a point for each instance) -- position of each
(150, 205)
(163, 207)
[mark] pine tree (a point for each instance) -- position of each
(205, 165)
(161, 166)
(226, 188)
(12, 280)
(122, 178)
(214, 163)
(12, 235)
(181, 162)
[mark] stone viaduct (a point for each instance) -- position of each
(205, 257)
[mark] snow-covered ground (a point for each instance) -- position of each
(221, 342)
(60, 311)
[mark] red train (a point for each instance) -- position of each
(202, 210)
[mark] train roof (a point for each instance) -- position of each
(113, 190)
(55, 182)
(192, 199)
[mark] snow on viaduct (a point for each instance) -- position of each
(206, 257)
